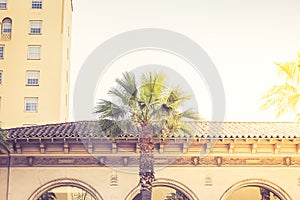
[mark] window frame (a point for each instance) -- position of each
(6, 22)
(1, 77)
(4, 2)
(32, 72)
(30, 55)
(33, 28)
(36, 4)
(2, 46)
(35, 100)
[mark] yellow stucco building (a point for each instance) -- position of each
(34, 61)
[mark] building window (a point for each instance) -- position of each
(31, 104)
(32, 77)
(34, 52)
(1, 51)
(6, 26)
(35, 27)
(6, 29)
(36, 4)
(3, 4)
(1, 72)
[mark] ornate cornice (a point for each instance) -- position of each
(183, 161)
(165, 146)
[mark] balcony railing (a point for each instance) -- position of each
(6, 36)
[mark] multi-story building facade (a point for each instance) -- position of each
(34, 61)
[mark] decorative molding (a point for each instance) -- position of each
(287, 161)
(125, 161)
(208, 181)
(195, 160)
(30, 160)
(102, 160)
(176, 146)
(277, 148)
(219, 161)
(113, 178)
(133, 161)
(254, 148)
(113, 147)
(66, 147)
(42, 147)
(231, 148)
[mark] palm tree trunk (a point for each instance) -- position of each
(146, 165)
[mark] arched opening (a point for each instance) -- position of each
(255, 189)
(66, 189)
(66, 193)
(165, 189)
(6, 28)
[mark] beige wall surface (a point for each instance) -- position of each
(53, 89)
(99, 178)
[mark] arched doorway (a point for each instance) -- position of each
(65, 188)
(165, 188)
(255, 189)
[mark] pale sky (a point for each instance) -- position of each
(242, 37)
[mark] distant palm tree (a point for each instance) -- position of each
(149, 110)
(3, 140)
(286, 96)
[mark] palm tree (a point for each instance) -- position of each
(285, 97)
(3, 141)
(146, 111)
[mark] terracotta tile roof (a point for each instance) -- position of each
(60, 130)
(202, 130)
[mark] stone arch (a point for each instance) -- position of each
(65, 182)
(257, 182)
(167, 183)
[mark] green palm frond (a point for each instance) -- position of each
(298, 117)
(175, 98)
(110, 127)
(128, 83)
(294, 101)
(3, 139)
(290, 70)
(153, 86)
(107, 109)
(285, 98)
(151, 104)
(190, 114)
